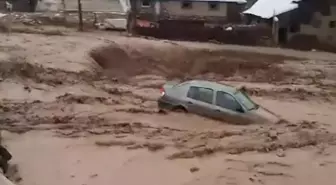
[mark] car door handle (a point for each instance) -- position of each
(216, 110)
(189, 102)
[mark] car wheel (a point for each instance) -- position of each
(179, 109)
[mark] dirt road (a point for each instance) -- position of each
(80, 109)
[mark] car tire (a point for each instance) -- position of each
(179, 109)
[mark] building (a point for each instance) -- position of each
(249, 3)
(304, 24)
(19, 5)
(318, 20)
(183, 15)
(60, 5)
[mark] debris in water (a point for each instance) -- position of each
(194, 169)
(280, 153)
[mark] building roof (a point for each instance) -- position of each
(226, 1)
(270, 8)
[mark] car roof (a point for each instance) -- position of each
(212, 85)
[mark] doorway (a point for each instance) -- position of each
(282, 35)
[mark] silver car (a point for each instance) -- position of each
(213, 100)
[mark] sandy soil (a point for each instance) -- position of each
(81, 109)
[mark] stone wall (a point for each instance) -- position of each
(57, 5)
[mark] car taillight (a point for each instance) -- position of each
(162, 91)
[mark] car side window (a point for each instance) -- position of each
(201, 94)
(227, 101)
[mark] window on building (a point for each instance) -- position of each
(227, 101)
(213, 6)
(332, 24)
(186, 5)
(201, 94)
(145, 3)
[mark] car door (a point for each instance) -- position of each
(200, 100)
(228, 108)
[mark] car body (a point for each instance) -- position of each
(212, 100)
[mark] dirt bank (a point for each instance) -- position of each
(181, 62)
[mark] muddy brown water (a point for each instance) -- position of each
(58, 104)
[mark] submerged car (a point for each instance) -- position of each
(212, 100)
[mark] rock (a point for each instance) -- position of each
(94, 175)
(154, 146)
(251, 179)
(273, 134)
(28, 21)
(181, 155)
(99, 131)
(114, 79)
(134, 147)
(120, 136)
(194, 169)
(27, 88)
(114, 143)
(160, 111)
(280, 153)
(118, 24)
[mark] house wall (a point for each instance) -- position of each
(198, 8)
(18, 5)
(172, 10)
(145, 12)
(145, 9)
(320, 26)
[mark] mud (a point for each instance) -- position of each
(187, 63)
(18, 67)
(88, 110)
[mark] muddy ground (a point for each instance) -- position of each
(81, 109)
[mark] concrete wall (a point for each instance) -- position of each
(95, 5)
(48, 5)
(198, 8)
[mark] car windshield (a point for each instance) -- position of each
(245, 100)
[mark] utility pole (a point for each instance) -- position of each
(63, 5)
(275, 28)
(80, 16)
(64, 12)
